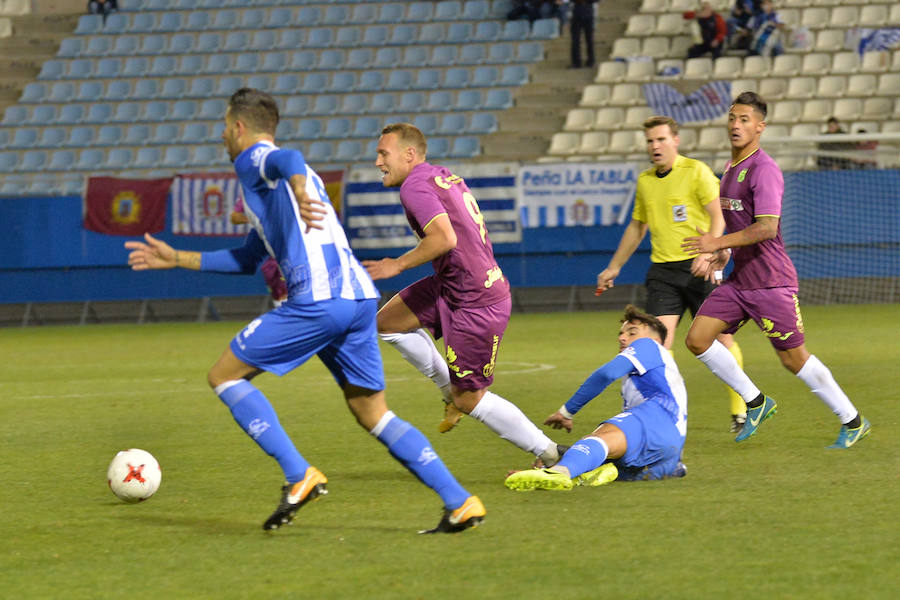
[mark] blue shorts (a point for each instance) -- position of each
(341, 332)
(654, 443)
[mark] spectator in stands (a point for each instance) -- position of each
(828, 162)
(768, 30)
(867, 149)
(739, 33)
(712, 31)
(534, 10)
(102, 7)
(581, 21)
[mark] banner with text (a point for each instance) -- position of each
(374, 218)
(569, 194)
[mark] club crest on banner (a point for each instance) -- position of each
(126, 208)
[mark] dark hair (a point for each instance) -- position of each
(752, 99)
(256, 109)
(633, 313)
(657, 120)
(410, 135)
(833, 120)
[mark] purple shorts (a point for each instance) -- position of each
(775, 310)
(471, 335)
(274, 280)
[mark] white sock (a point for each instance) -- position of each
(506, 420)
(820, 380)
(724, 366)
(418, 349)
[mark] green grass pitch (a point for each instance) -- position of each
(775, 517)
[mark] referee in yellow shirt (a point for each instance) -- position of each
(674, 198)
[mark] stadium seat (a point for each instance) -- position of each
(60, 160)
(236, 41)
(465, 146)
(361, 59)
(712, 138)
(495, 99)
(515, 31)
(657, 47)
(263, 41)
(33, 160)
(786, 65)
(373, 80)
(336, 14)
(744, 85)
(145, 89)
(314, 83)
(191, 65)
(90, 159)
(80, 136)
(374, 35)
(196, 133)
(212, 109)
(82, 68)
(71, 47)
(427, 123)
(595, 95)
(147, 157)
(727, 67)
(816, 63)
(184, 110)
(120, 158)
(640, 70)
(109, 135)
(861, 84)
(87, 91)
(155, 111)
(483, 123)
(801, 88)
(845, 63)
(15, 115)
(487, 31)
(500, 53)
(411, 102)
(804, 130)
(875, 62)
(253, 18)
(309, 129)
(401, 79)
(70, 114)
(197, 21)
(151, 44)
(391, 12)
(888, 84)
(625, 142)
(459, 33)
(420, 11)
(175, 156)
(545, 29)
(24, 137)
(635, 117)
(352, 104)
(325, 104)
(347, 37)
(133, 135)
(579, 119)
(348, 151)
(366, 127)
(168, 22)
(487, 76)
(319, 38)
(529, 52)
(217, 64)
(829, 40)
(698, 68)
(52, 69)
(51, 137)
(814, 18)
(843, 17)
(611, 71)
(181, 43)
(626, 47)
(610, 117)
(124, 112)
(34, 92)
(626, 94)
(308, 16)
(641, 25)
(774, 88)
(89, 24)
(513, 76)
(342, 82)
(426, 79)
(320, 151)
(451, 124)
(209, 42)
(279, 15)
(877, 109)
(141, 22)
(671, 24)
(456, 78)
(200, 87)
(817, 110)
(8, 161)
(444, 56)
(439, 100)
(245, 62)
(330, 60)
(439, 147)
(473, 100)
(830, 86)
(786, 112)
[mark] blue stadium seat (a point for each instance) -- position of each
(444, 56)
(420, 11)
(196, 133)
(432, 33)
(336, 14)
(459, 33)
(427, 79)
(371, 81)
(82, 136)
(212, 109)
(457, 77)
(452, 124)
(472, 54)
(218, 64)
(97, 46)
(184, 110)
(387, 56)
(162, 66)
(16, 115)
(347, 37)
(135, 66)
(390, 12)
(155, 111)
(375, 35)
(279, 16)
(125, 45)
(498, 99)
(485, 76)
(147, 157)
(181, 43)
(320, 151)
(114, 23)
(184, 4)
(439, 100)
(173, 87)
(403, 35)
(33, 160)
(364, 13)
(206, 156)
(197, 21)
(109, 135)
(117, 90)
(34, 92)
(191, 64)
(515, 30)
(209, 42)
(145, 89)
(175, 156)
(125, 112)
(464, 147)
(476, 10)
(308, 16)
(120, 158)
(545, 29)
(253, 18)
(110, 68)
(136, 134)
(339, 127)
(296, 106)
(24, 137)
(349, 151)
(4, 137)
(273, 62)
(308, 129)
(153, 44)
(361, 59)
(71, 47)
(168, 22)
(141, 22)
(325, 104)
(330, 60)
(427, 123)
(88, 24)
(514, 76)
(263, 40)
(259, 82)
(52, 69)
(483, 123)
(447, 10)
(383, 102)
(286, 83)
(88, 91)
(314, 83)
(529, 52)
(400, 79)
(247, 62)
(342, 82)
(236, 41)
(200, 87)
(438, 147)
(70, 114)
(90, 159)
(302, 60)
(60, 160)
(8, 161)
(411, 102)
(51, 137)
(80, 68)
(487, 31)
(366, 127)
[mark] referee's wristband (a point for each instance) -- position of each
(564, 412)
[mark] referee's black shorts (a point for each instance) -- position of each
(671, 289)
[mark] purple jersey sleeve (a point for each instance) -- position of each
(767, 187)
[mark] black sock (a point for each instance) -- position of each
(756, 402)
(854, 422)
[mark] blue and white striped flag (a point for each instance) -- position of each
(202, 204)
(706, 103)
(374, 218)
(877, 40)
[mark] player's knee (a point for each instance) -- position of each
(696, 343)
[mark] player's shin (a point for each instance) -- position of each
(419, 350)
(506, 420)
(585, 455)
(820, 380)
(724, 366)
(257, 418)
(413, 450)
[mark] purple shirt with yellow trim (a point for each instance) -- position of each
(468, 274)
(750, 189)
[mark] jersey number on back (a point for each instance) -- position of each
(469, 199)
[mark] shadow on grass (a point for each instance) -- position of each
(219, 526)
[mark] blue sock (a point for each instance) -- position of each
(585, 455)
(257, 418)
(410, 447)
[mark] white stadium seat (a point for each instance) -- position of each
(816, 63)
(862, 84)
(579, 119)
(888, 85)
(626, 94)
(847, 109)
(593, 142)
(657, 47)
(801, 88)
(845, 62)
(831, 86)
(816, 110)
(773, 88)
(595, 95)
(844, 16)
(786, 112)
(610, 117)
(640, 25)
(564, 143)
(875, 62)
(610, 71)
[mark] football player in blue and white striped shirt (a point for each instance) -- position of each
(330, 312)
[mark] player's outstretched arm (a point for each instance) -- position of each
(631, 239)
(156, 254)
(439, 240)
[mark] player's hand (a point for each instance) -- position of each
(716, 265)
(558, 421)
(154, 254)
(700, 264)
(382, 269)
(605, 278)
(699, 244)
(311, 211)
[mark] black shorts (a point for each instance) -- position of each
(671, 289)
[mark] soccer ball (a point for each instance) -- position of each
(133, 475)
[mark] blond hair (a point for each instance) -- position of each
(409, 135)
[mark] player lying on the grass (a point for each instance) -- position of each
(642, 442)
(763, 285)
(330, 312)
